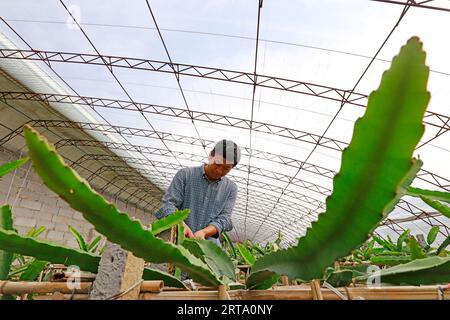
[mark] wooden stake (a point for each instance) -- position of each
(132, 275)
(285, 280)
(316, 290)
(173, 239)
(223, 294)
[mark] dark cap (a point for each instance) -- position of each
(229, 150)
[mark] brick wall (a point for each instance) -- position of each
(34, 205)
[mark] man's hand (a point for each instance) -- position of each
(200, 234)
(187, 231)
(206, 232)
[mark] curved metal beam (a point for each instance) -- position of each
(431, 118)
(180, 69)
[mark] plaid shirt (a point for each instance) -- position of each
(210, 202)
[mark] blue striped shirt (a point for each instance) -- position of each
(210, 202)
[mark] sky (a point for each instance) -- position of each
(326, 42)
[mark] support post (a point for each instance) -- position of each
(285, 280)
(119, 275)
(316, 290)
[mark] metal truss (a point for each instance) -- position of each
(423, 175)
(262, 155)
(415, 4)
(180, 69)
(185, 114)
(342, 96)
(432, 119)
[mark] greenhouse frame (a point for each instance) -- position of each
(340, 111)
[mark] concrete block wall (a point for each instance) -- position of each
(34, 205)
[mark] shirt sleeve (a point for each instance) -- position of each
(173, 198)
(223, 221)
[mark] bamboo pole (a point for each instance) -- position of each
(285, 280)
(223, 294)
(305, 293)
(152, 286)
(22, 287)
(60, 296)
(316, 290)
(132, 275)
(301, 292)
(172, 239)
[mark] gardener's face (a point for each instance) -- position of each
(218, 167)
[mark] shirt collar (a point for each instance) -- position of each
(205, 176)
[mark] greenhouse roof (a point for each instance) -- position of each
(158, 83)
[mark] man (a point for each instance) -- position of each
(206, 192)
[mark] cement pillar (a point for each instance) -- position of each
(118, 271)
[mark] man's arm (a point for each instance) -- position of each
(173, 198)
(223, 221)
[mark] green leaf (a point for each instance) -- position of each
(177, 273)
(167, 222)
(375, 169)
(259, 249)
(358, 269)
(33, 271)
(391, 253)
(432, 234)
(389, 260)
(169, 280)
(180, 233)
(389, 240)
(34, 233)
(20, 269)
(6, 257)
(368, 251)
(340, 278)
(431, 270)
(208, 249)
(47, 251)
(11, 166)
(115, 225)
(81, 243)
(415, 249)
(402, 238)
(432, 194)
(443, 245)
(442, 208)
(92, 247)
(262, 280)
(230, 244)
(235, 285)
(246, 254)
(279, 238)
(20, 258)
(387, 245)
